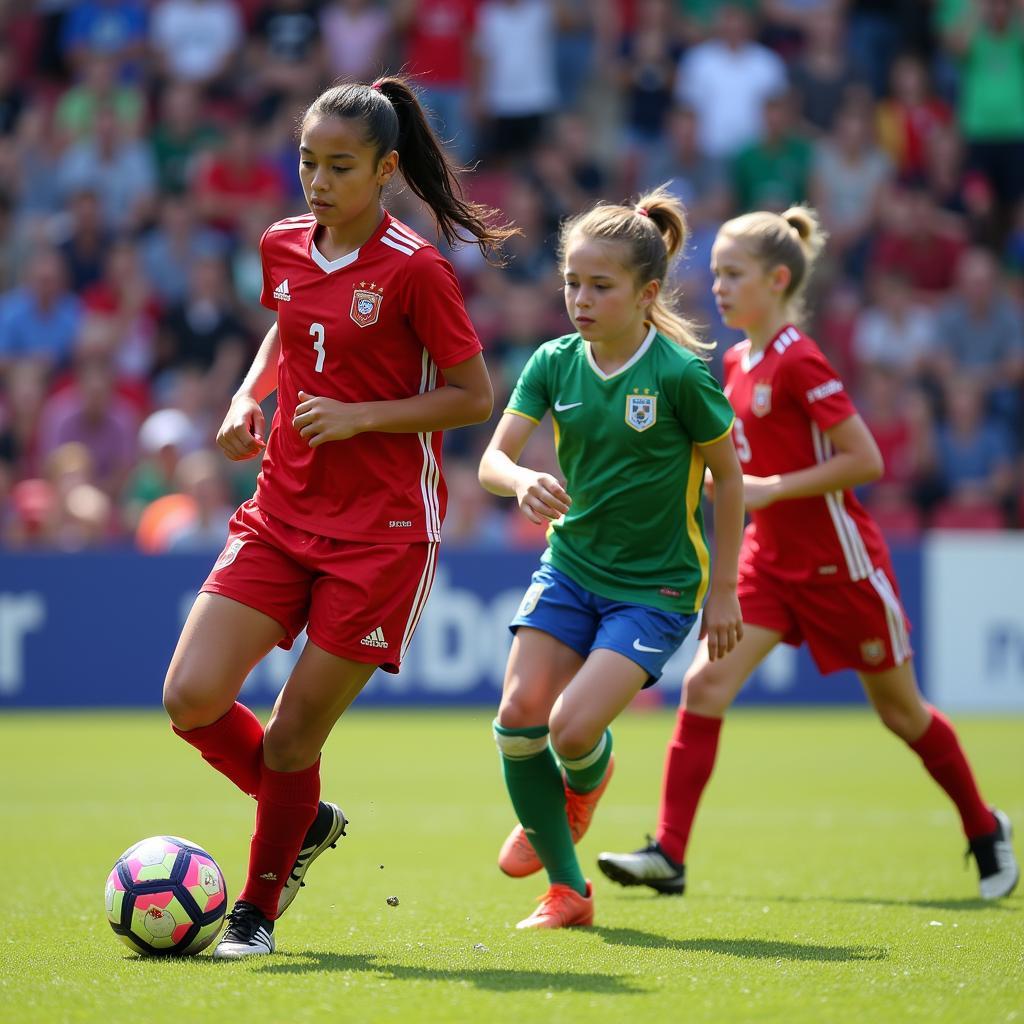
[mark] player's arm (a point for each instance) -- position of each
(722, 622)
(540, 496)
(465, 398)
(241, 433)
(856, 460)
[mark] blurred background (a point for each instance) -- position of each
(144, 147)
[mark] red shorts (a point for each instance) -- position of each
(859, 625)
(358, 601)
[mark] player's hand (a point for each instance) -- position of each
(721, 623)
(760, 491)
(541, 497)
(241, 433)
(325, 419)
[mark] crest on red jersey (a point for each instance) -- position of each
(366, 302)
(873, 650)
(761, 402)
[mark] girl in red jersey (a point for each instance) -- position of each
(814, 566)
(372, 356)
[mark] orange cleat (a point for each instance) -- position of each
(518, 857)
(562, 907)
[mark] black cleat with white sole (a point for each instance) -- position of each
(327, 828)
(649, 866)
(998, 871)
(248, 933)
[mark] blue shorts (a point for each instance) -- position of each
(584, 621)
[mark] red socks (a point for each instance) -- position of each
(688, 765)
(233, 745)
(944, 758)
(286, 806)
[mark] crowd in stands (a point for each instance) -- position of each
(144, 147)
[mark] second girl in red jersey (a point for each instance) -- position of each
(372, 356)
(814, 566)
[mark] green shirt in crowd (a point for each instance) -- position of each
(626, 444)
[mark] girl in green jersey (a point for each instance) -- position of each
(637, 418)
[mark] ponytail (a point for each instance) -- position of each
(393, 119)
(654, 230)
(794, 239)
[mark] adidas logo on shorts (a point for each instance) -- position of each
(374, 639)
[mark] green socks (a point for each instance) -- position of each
(534, 783)
(586, 772)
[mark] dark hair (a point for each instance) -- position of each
(393, 119)
(653, 231)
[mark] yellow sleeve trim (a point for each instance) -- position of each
(525, 416)
(723, 434)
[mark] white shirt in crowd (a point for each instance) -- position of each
(516, 46)
(196, 37)
(727, 88)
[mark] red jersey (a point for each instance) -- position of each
(785, 400)
(377, 324)
(436, 41)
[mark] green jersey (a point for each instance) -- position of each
(626, 443)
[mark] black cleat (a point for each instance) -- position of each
(998, 871)
(248, 933)
(327, 828)
(649, 866)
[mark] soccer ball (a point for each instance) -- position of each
(166, 896)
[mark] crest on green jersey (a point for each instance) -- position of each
(641, 411)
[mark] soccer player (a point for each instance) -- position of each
(372, 356)
(814, 567)
(637, 417)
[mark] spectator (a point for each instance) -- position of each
(163, 437)
(990, 41)
(196, 40)
(438, 57)
(200, 477)
(515, 51)
(909, 119)
(82, 238)
(822, 74)
(975, 453)
(24, 393)
(895, 334)
(285, 58)
(40, 320)
(873, 36)
(727, 80)
(115, 28)
(12, 96)
(773, 173)
(124, 299)
(174, 245)
(848, 184)
(917, 239)
(980, 334)
(581, 25)
(99, 88)
(181, 134)
(204, 331)
(237, 178)
(357, 36)
(91, 413)
(118, 169)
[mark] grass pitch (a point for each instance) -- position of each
(827, 882)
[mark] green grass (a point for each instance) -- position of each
(827, 882)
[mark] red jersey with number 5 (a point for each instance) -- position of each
(786, 399)
(378, 324)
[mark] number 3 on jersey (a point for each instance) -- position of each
(739, 439)
(317, 331)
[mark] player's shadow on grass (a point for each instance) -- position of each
(751, 949)
(494, 979)
(965, 903)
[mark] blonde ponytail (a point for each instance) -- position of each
(793, 239)
(654, 229)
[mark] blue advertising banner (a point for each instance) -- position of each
(97, 630)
